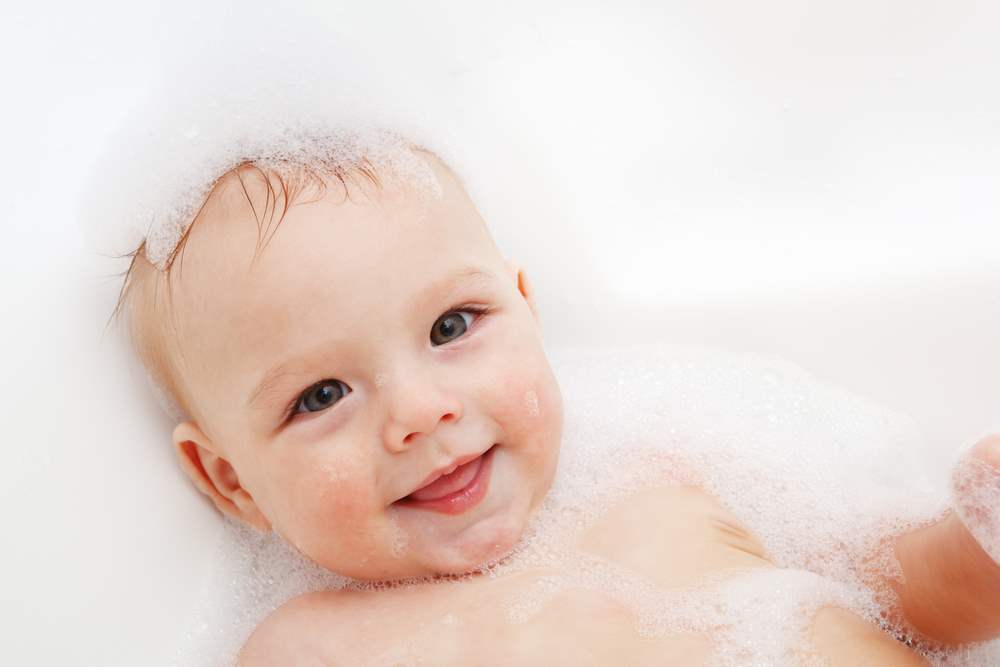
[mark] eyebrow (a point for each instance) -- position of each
(270, 381)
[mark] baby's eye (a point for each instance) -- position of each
(450, 326)
(321, 395)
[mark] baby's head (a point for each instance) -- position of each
(336, 360)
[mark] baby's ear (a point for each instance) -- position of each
(520, 278)
(215, 476)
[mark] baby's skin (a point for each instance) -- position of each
(468, 622)
(372, 385)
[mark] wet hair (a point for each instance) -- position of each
(144, 300)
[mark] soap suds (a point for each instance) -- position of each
(822, 477)
(531, 400)
(976, 498)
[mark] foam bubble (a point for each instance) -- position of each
(400, 538)
(531, 400)
(823, 478)
(205, 120)
(334, 473)
(252, 574)
(769, 613)
(754, 617)
(976, 498)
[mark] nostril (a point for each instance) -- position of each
(409, 438)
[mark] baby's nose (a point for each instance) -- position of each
(418, 412)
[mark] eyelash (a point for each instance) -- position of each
(478, 311)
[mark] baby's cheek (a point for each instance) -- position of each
(516, 400)
(341, 488)
(529, 403)
(328, 499)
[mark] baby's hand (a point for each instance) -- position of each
(950, 591)
(976, 494)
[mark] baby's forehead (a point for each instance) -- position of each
(333, 236)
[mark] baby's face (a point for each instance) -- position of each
(345, 369)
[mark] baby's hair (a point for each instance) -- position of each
(267, 185)
(280, 185)
(291, 181)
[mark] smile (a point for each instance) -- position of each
(456, 490)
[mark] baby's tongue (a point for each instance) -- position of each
(446, 484)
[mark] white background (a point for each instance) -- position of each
(817, 180)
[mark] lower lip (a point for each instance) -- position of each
(462, 500)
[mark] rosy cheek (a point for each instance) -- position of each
(522, 409)
(536, 413)
(320, 490)
(534, 407)
(521, 396)
(341, 489)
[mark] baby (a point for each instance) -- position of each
(363, 373)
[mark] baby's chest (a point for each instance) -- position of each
(673, 537)
(667, 539)
(536, 617)
(574, 611)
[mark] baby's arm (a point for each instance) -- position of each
(951, 586)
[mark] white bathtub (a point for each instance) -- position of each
(814, 182)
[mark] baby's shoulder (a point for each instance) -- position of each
(306, 630)
(351, 626)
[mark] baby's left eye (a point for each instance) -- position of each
(321, 395)
(449, 326)
(453, 324)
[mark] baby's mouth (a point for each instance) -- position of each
(456, 490)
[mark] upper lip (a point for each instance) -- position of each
(446, 468)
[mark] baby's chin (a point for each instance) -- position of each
(483, 544)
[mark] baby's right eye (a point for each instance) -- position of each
(321, 395)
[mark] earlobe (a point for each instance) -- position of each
(524, 286)
(215, 476)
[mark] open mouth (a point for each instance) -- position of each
(456, 491)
